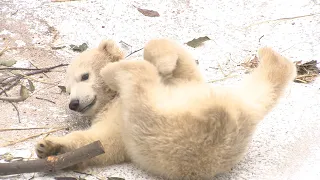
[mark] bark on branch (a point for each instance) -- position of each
(53, 163)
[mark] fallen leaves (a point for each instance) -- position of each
(307, 72)
(11, 81)
(147, 12)
(196, 42)
(251, 62)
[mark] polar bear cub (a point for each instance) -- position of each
(160, 114)
(192, 131)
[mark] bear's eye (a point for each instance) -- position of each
(85, 77)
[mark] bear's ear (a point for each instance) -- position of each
(111, 49)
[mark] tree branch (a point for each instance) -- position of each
(53, 163)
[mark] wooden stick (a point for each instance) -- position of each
(16, 79)
(30, 128)
(53, 163)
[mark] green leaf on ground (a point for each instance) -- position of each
(79, 48)
(7, 63)
(24, 93)
(196, 42)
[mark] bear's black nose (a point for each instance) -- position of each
(74, 104)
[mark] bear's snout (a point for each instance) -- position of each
(74, 104)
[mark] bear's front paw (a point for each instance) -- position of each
(48, 147)
(52, 146)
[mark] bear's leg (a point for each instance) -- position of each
(173, 62)
(263, 88)
(103, 131)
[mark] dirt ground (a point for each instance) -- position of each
(39, 33)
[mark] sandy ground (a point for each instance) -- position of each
(286, 144)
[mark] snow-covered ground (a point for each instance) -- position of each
(286, 144)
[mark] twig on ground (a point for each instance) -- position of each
(30, 128)
(37, 80)
(53, 163)
(30, 137)
(15, 107)
(24, 94)
(134, 52)
(261, 38)
(220, 68)
(16, 81)
(17, 78)
(45, 100)
(3, 50)
(18, 113)
(282, 19)
(222, 79)
(38, 69)
(33, 69)
(35, 92)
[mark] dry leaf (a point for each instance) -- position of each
(307, 72)
(149, 13)
(31, 86)
(63, 89)
(251, 62)
(196, 42)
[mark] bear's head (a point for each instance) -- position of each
(88, 92)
